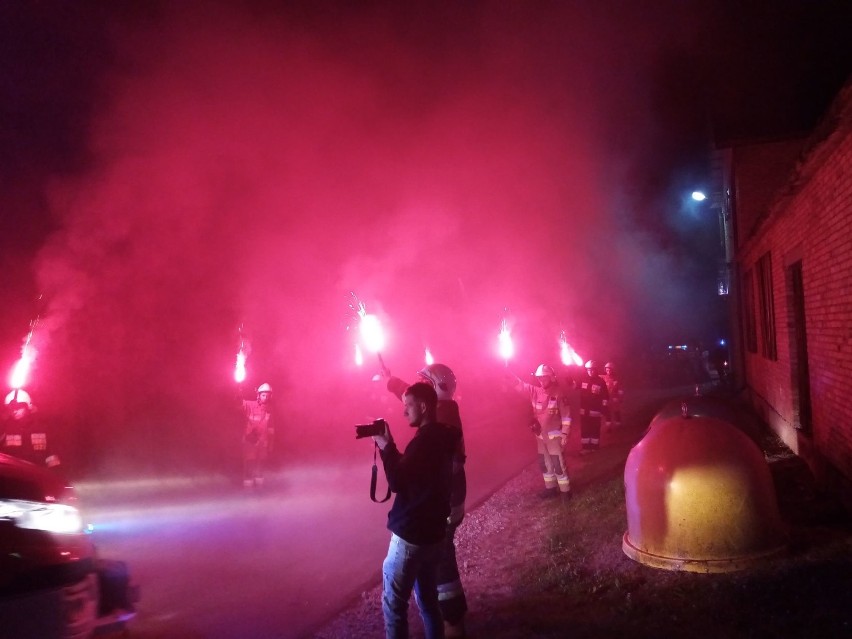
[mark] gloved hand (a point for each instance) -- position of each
(384, 439)
(535, 427)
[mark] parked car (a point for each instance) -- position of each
(53, 584)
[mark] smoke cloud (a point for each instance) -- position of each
(255, 166)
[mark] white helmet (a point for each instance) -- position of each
(264, 388)
(591, 365)
(442, 378)
(21, 396)
(544, 370)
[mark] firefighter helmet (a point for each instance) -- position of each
(442, 378)
(20, 396)
(544, 370)
(609, 366)
(591, 365)
(264, 388)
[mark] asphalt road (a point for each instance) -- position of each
(216, 562)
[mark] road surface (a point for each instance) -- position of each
(216, 562)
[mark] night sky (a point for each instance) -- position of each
(169, 172)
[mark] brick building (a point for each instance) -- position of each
(786, 212)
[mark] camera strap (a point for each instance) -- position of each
(374, 479)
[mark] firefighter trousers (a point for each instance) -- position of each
(552, 462)
(451, 598)
(254, 461)
(590, 431)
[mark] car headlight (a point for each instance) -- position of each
(54, 518)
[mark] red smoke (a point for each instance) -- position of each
(257, 167)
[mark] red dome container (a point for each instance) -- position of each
(699, 498)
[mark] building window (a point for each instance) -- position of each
(767, 307)
(749, 308)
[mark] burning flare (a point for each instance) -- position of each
(371, 333)
(369, 329)
(21, 369)
(242, 356)
(567, 354)
(428, 358)
(505, 346)
(240, 368)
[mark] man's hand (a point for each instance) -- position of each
(384, 439)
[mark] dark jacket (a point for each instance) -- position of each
(27, 439)
(447, 413)
(421, 478)
(594, 397)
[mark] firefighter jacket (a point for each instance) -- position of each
(613, 385)
(26, 439)
(551, 407)
(258, 429)
(594, 396)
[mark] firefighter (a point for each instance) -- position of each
(24, 435)
(451, 597)
(551, 426)
(616, 393)
(594, 406)
(258, 436)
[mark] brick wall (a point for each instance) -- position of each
(811, 221)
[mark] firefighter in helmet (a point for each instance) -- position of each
(258, 436)
(451, 597)
(594, 406)
(551, 426)
(23, 434)
(616, 393)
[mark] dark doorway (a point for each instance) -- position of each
(799, 349)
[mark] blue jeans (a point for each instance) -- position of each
(410, 566)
